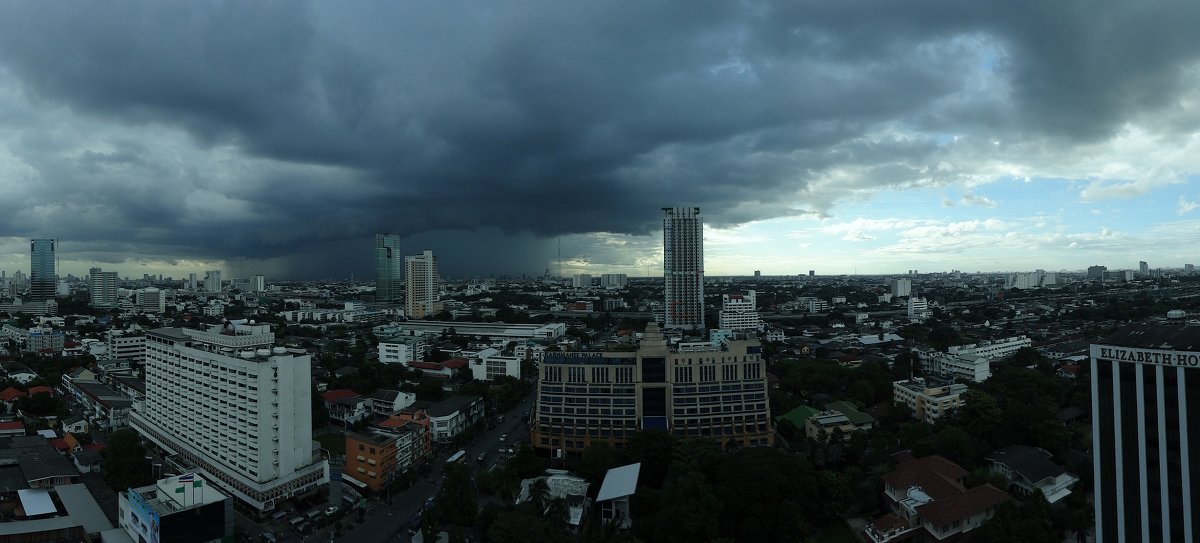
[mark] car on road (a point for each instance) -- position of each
(329, 511)
(504, 438)
(481, 458)
(267, 537)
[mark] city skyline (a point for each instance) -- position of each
(843, 138)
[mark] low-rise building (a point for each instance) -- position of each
(40, 464)
(401, 349)
(929, 398)
(615, 492)
(970, 367)
(127, 345)
(994, 349)
(177, 508)
(385, 402)
(451, 416)
(1029, 468)
(432, 369)
(561, 485)
(103, 406)
(489, 364)
(370, 460)
(929, 501)
(18, 372)
(825, 425)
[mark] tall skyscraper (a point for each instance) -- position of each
(233, 408)
(422, 290)
(901, 287)
(389, 268)
(1143, 267)
(683, 267)
(192, 282)
(102, 287)
(1145, 440)
(258, 283)
(42, 279)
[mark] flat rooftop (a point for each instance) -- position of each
(1170, 338)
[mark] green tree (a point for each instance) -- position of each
(690, 510)
(597, 459)
(125, 463)
(1031, 522)
(539, 495)
(456, 501)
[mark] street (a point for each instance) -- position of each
(386, 523)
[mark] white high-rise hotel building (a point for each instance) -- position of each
(422, 287)
(235, 408)
(683, 267)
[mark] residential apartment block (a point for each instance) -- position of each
(233, 407)
(102, 288)
(683, 267)
(994, 349)
(589, 396)
(929, 398)
(422, 285)
(970, 367)
(127, 345)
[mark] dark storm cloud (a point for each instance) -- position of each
(313, 124)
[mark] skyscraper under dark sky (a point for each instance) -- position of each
(389, 268)
(683, 267)
(42, 278)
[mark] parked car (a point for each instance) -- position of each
(329, 511)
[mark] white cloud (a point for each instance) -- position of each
(1186, 206)
(982, 201)
(861, 229)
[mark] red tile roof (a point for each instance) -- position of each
(97, 447)
(938, 477)
(455, 363)
(60, 444)
(40, 389)
(975, 501)
(12, 425)
(426, 365)
(332, 396)
(9, 394)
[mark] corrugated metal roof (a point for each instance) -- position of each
(619, 482)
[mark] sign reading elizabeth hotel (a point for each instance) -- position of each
(1153, 357)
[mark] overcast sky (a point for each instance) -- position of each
(277, 138)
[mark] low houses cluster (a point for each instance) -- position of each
(839, 418)
(929, 501)
(1028, 469)
(348, 407)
